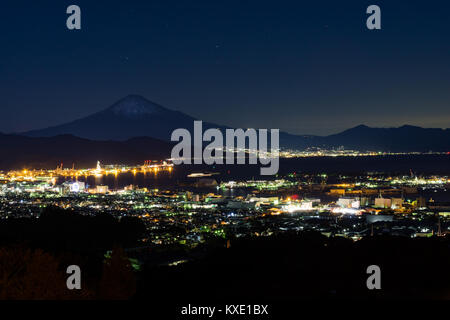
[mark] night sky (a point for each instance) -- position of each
(304, 67)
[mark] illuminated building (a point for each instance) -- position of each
(102, 189)
(382, 203)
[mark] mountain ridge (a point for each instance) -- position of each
(135, 116)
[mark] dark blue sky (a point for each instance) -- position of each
(304, 67)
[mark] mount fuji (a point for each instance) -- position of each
(130, 117)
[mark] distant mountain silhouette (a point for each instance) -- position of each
(132, 116)
(45, 153)
(405, 138)
(402, 139)
(135, 116)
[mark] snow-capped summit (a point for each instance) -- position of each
(135, 105)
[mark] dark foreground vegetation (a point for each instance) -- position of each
(35, 252)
